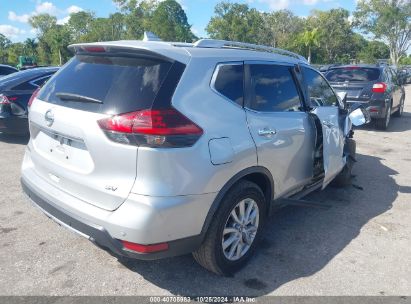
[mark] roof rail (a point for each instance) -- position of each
(219, 44)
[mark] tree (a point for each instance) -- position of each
(373, 51)
(80, 24)
(4, 45)
(169, 22)
(14, 51)
(137, 14)
(335, 34)
(237, 22)
(280, 29)
(58, 38)
(44, 23)
(310, 38)
(30, 47)
(388, 20)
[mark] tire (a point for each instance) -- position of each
(400, 109)
(383, 123)
(343, 179)
(211, 254)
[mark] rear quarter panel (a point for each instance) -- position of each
(185, 171)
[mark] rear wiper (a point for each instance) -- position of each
(76, 97)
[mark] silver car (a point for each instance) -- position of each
(154, 149)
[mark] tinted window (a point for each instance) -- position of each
(39, 82)
(354, 74)
(319, 91)
(25, 86)
(122, 84)
(229, 82)
(17, 78)
(273, 89)
(6, 71)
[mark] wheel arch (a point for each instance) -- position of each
(257, 174)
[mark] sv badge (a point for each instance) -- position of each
(110, 188)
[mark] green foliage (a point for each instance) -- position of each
(14, 51)
(310, 39)
(280, 29)
(234, 21)
(324, 36)
(405, 60)
(388, 20)
(4, 45)
(169, 22)
(374, 50)
(335, 34)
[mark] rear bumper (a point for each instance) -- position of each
(376, 108)
(141, 220)
(100, 236)
(12, 124)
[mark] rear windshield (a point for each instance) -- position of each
(353, 74)
(120, 84)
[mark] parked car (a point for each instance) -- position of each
(377, 87)
(154, 149)
(407, 74)
(15, 92)
(6, 70)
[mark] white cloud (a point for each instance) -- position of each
(10, 31)
(63, 20)
(284, 4)
(74, 9)
(19, 18)
(46, 8)
(310, 2)
(276, 4)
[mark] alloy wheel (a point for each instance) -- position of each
(240, 229)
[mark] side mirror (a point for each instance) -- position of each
(342, 99)
(359, 115)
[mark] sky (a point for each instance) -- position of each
(14, 14)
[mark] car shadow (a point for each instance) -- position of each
(397, 124)
(298, 241)
(14, 139)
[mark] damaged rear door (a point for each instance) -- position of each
(324, 104)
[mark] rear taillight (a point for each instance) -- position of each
(4, 100)
(163, 128)
(33, 96)
(379, 87)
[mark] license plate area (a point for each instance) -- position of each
(71, 153)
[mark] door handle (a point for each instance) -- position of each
(267, 132)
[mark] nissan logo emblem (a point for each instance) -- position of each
(49, 118)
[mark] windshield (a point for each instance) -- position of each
(353, 74)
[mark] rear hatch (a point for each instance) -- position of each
(68, 147)
(357, 82)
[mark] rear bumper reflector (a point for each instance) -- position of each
(145, 248)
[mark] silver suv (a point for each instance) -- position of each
(154, 149)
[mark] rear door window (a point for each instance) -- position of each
(229, 82)
(273, 88)
(353, 74)
(120, 84)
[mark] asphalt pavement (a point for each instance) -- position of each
(350, 241)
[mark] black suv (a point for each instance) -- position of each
(15, 92)
(377, 86)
